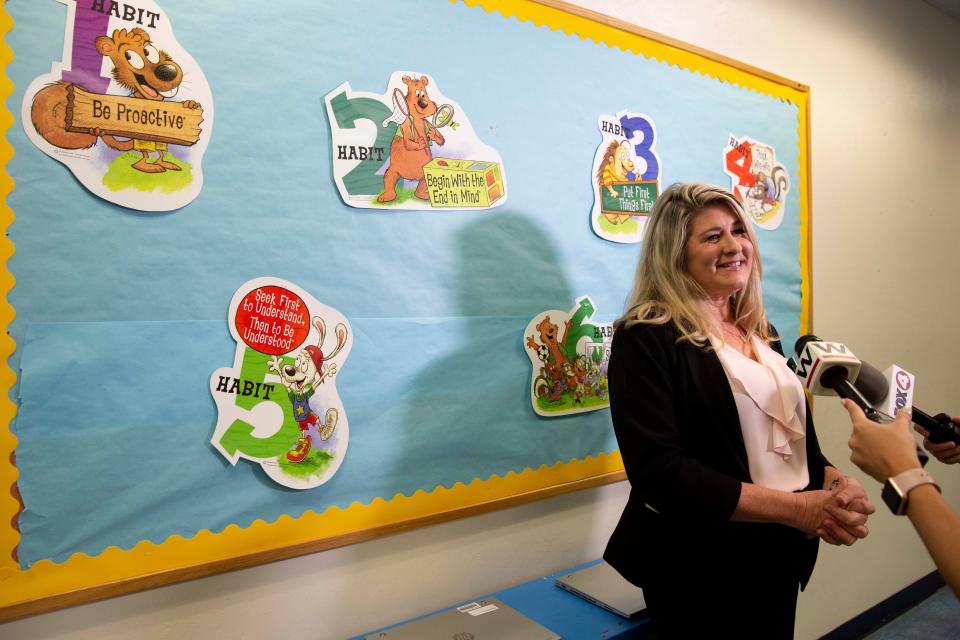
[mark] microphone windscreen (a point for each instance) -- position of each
(872, 383)
(802, 342)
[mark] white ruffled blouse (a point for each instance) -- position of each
(773, 415)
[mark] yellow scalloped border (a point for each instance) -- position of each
(9, 505)
(82, 578)
(116, 571)
(572, 20)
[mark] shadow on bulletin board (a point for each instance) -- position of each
(146, 441)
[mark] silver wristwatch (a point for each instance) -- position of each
(896, 489)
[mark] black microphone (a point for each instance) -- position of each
(875, 387)
(826, 368)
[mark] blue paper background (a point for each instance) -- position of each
(121, 314)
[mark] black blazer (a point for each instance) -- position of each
(678, 429)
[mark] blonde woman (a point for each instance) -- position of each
(728, 483)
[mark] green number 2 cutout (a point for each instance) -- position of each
(363, 180)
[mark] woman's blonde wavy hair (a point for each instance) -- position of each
(664, 290)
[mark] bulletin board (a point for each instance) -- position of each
(397, 202)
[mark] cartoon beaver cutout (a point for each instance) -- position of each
(548, 337)
(301, 380)
(556, 366)
(139, 66)
(615, 167)
(410, 149)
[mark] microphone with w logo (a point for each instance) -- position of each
(829, 368)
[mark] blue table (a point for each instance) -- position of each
(565, 614)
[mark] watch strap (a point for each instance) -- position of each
(896, 490)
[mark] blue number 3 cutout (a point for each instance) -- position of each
(637, 125)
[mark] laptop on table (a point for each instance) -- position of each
(602, 585)
(487, 619)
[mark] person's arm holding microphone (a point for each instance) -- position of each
(888, 454)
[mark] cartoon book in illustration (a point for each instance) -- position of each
(625, 177)
(408, 162)
(278, 405)
(757, 179)
(569, 358)
(135, 137)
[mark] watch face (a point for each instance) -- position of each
(892, 497)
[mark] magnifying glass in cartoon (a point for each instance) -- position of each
(442, 118)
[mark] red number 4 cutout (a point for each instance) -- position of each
(739, 160)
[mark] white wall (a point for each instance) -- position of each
(885, 82)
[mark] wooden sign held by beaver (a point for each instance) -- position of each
(69, 117)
